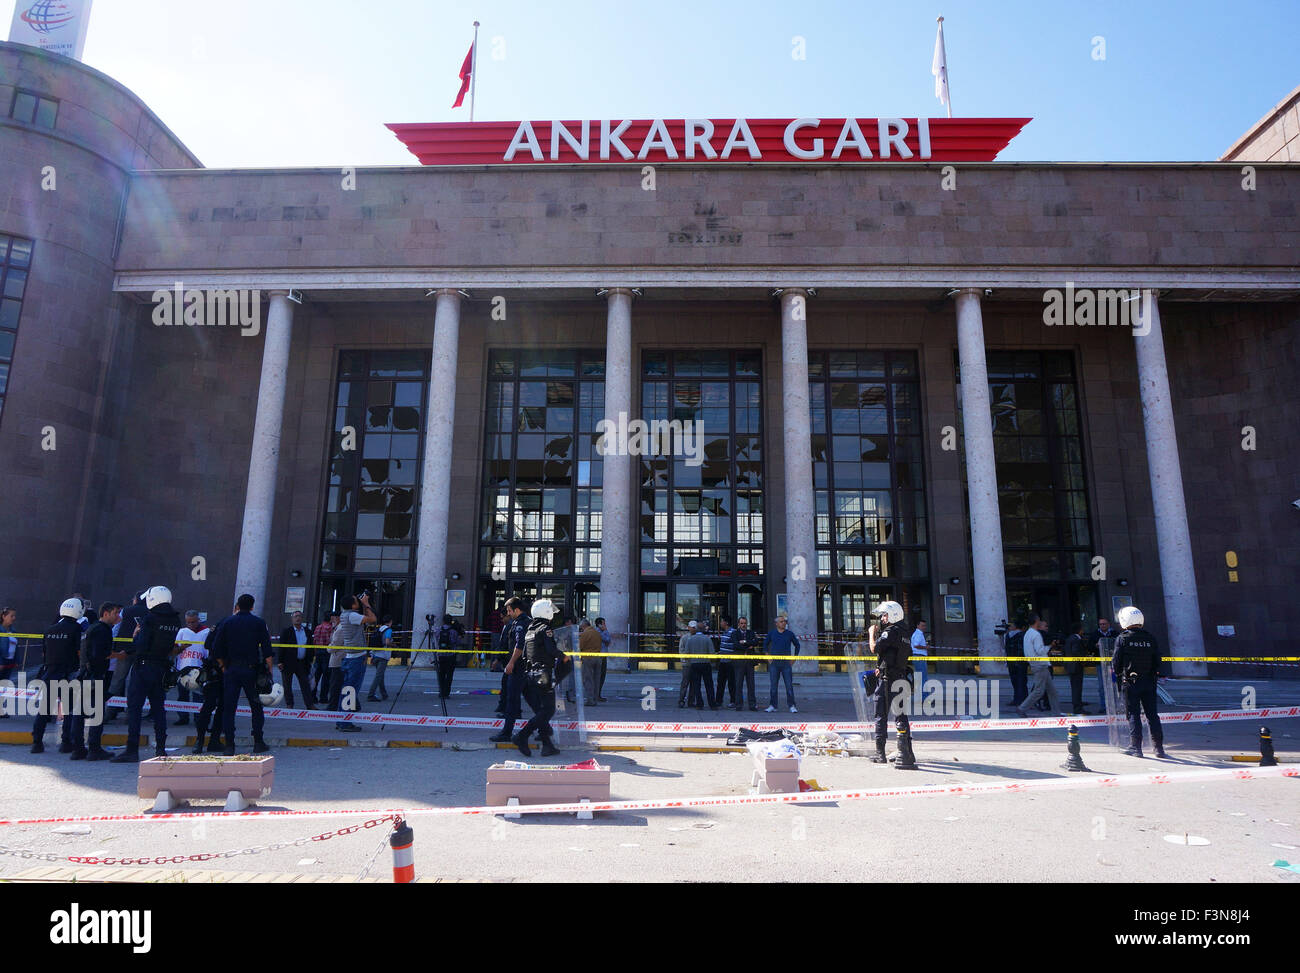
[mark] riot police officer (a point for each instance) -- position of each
(892, 647)
(150, 660)
(1136, 663)
(243, 647)
(539, 658)
(62, 644)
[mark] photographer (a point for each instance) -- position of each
(351, 667)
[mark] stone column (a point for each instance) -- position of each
(264, 457)
(1173, 539)
(618, 512)
(800, 569)
(435, 484)
(989, 584)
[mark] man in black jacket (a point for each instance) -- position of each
(1136, 664)
(295, 655)
(243, 647)
(150, 659)
(893, 649)
(540, 654)
(131, 616)
(62, 644)
(94, 673)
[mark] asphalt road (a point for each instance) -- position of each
(1090, 835)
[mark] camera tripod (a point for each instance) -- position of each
(426, 638)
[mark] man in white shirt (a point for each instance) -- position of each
(919, 653)
(352, 664)
(190, 656)
(1040, 669)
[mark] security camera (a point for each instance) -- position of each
(1296, 504)
(988, 292)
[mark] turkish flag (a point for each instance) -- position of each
(464, 77)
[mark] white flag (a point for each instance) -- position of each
(939, 68)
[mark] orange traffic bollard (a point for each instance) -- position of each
(402, 841)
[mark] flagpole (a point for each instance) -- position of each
(947, 75)
(473, 73)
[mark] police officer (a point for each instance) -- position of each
(208, 678)
(99, 649)
(150, 660)
(892, 647)
(540, 654)
(243, 647)
(62, 644)
(512, 678)
(1136, 664)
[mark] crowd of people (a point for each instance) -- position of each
(142, 650)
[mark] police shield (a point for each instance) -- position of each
(861, 667)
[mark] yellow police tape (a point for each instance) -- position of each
(730, 657)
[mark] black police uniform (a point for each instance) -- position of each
(512, 684)
(150, 659)
(1136, 664)
(893, 648)
(244, 644)
(131, 616)
(94, 672)
(540, 655)
(62, 644)
(214, 698)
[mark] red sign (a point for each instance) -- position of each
(701, 140)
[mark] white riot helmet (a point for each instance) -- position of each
(1129, 617)
(72, 608)
(890, 612)
(157, 595)
(544, 608)
(191, 679)
(275, 697)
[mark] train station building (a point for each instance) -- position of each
(977, 388)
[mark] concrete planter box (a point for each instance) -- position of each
(210, 778)
(543, 785)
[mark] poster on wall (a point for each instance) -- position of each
(954, 608)
(456, 602)
(1119, 601)
(783, 604)
(56, 26)
(294, 600)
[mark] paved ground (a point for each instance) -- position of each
(1085, 835)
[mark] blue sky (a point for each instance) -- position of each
(311, 82)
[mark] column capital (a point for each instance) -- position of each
(777, 292)
(457, 291)
(612, 291)
(977, 291)
(291, 293)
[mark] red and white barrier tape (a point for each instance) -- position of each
(630, 728)
(814, 797)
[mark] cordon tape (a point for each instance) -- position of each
(747, 800)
